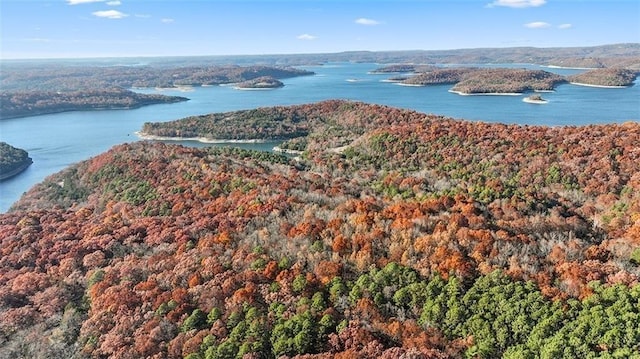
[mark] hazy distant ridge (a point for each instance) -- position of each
(611, 55)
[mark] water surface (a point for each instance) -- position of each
(58, 140)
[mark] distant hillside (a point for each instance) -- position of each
(614, 55)
(57, 77)
(394, 234)
(30, 90)
(402, 68)
(607, 55)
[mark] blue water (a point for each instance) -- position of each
(58, 140)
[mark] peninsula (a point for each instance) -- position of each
(12, 160)
(262, 123)
(33, 103)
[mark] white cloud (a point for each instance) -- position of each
(76, 2)
(167, 21)
(114, 3)
(109, 14)
(537, 25)
(565, 26)
(306, 37)
(519, 4)
(365, 21)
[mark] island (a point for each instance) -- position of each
(33, 103)
(440, 76)
(392, 234)
(509, 81)
(485, 81)
(606, 78)
(506, 81)
(12, 161)
(535, 99)
(246, 125)
(259, 83)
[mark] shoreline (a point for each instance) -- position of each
(598, 86)
(184, 88)
(144, 136)
(16, 171)
(384, 73)
(90, 109)
(286, 150)
(485, 93)
(408, 85)
(255, 88)
(569, 67)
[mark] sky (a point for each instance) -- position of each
(126, 28)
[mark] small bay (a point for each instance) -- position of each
(58, 140)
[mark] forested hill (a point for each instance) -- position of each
(394, 234)
(17, 77)
(31, 89)
(33, 103)
(12, 160)
(606, 77)
(474, 80)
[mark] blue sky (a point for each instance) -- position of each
(113, 28)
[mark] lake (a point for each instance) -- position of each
(58, 140)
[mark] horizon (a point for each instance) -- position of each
(312, 53)
(89, 29)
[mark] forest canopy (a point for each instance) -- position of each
(394, 233)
